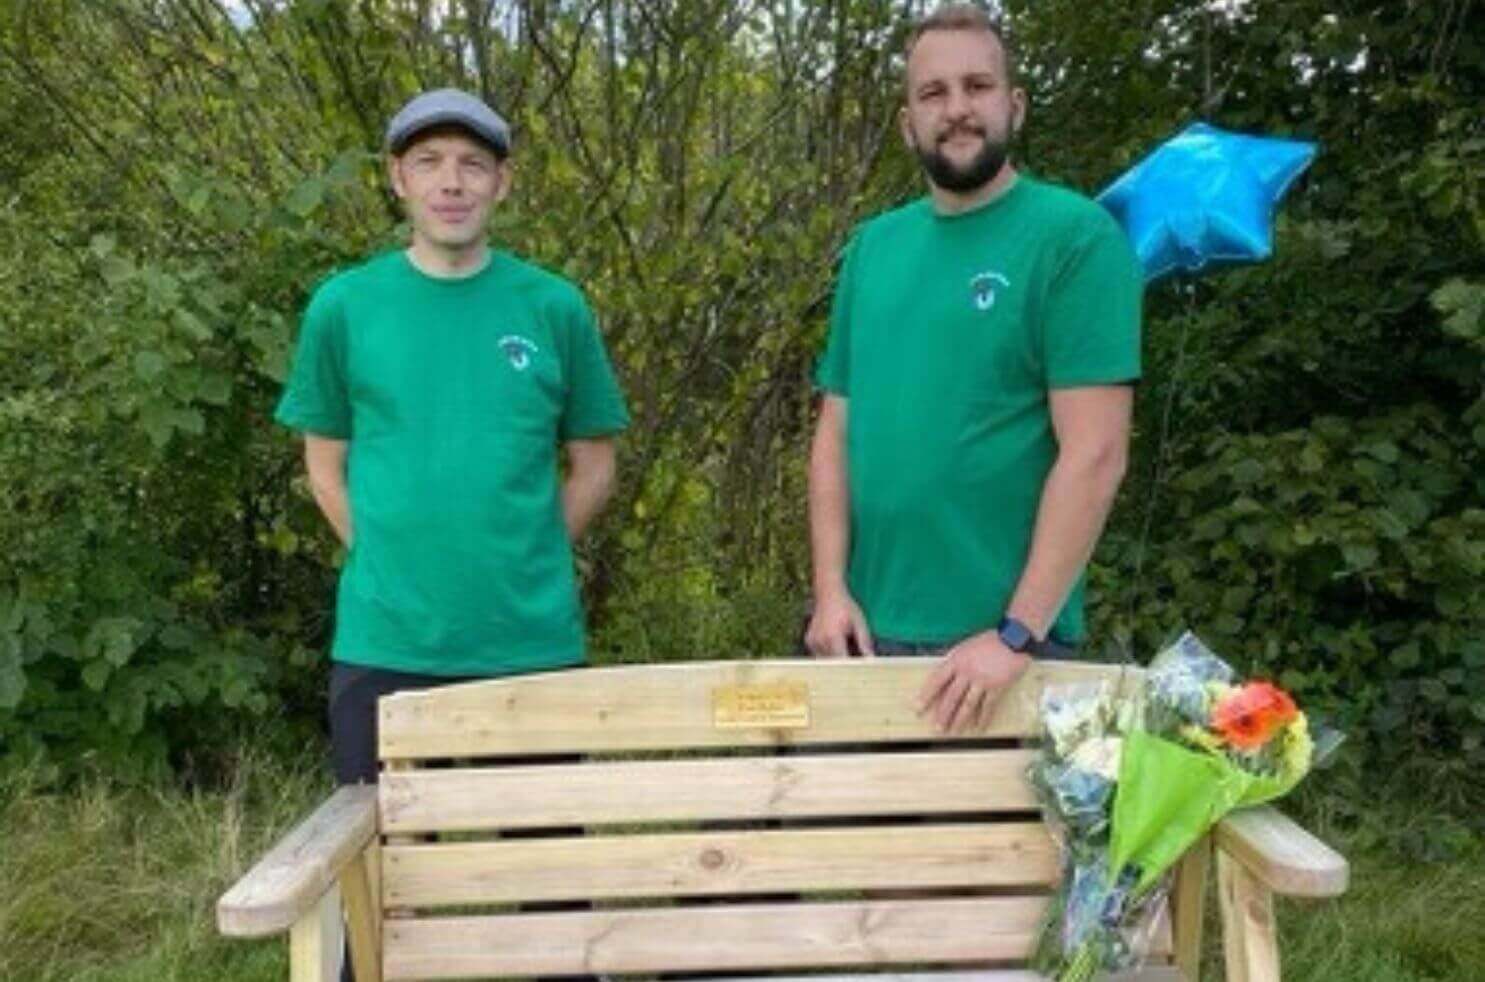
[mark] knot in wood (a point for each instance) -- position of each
(713, 858)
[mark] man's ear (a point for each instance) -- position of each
(904, 123)
(505, 176)
(394, 175)
(1018, 110)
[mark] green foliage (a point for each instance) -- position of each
(1305, 490)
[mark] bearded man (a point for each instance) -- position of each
(977, 390)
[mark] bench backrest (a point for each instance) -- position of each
(707, 816)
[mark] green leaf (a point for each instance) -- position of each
(1311, 459)
(149, 364)
(306, 197)
(1463, 307)
(116, 270)
(188, 421)
(1248, 471)
(1383, 450)
(1388, 525)
(191, 325)
(12, 675)
(197, 200)
(215, 388)
(155, 419)
(1359, 556)
(95, 674)
(1451, 601)
(1407, 656)
(115, 639)
(347, 167)
(176, 638)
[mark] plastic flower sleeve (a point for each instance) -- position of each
(1090, 920)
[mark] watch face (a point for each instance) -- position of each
(1015, 635)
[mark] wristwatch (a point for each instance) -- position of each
(1015, 635)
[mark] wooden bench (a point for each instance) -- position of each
(716, 817)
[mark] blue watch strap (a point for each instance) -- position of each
(1015, 635)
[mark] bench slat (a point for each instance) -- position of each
(656, 707)
(943, 782)
(1151, 973)
(713, 938)
(714, 863)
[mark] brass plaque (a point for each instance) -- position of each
(777, 705)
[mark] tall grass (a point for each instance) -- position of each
(115, 883)
(104, 882)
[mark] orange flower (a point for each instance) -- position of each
(1249, 716)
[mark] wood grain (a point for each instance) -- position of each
(945, 782)
(296, 872)
(722, 863)
(657, 707)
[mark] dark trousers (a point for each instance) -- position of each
(354, 690)
(1050, 648)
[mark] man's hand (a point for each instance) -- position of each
(324, 460)
(963, 688)
(589, 482)
(835, 621)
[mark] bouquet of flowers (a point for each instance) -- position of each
(1129, 783)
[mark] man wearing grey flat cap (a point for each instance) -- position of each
(435, 386)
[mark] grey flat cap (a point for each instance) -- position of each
(443, 107)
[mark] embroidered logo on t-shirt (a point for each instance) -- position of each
(982, 288)
(519, 350)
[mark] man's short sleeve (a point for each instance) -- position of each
(1091, 329)
(833, 373)
(595, 405)
(317, 398)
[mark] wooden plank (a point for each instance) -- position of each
(1250, 941)
(671, 706)
(297, 871)
(1154, 973)
(717, 863)
(1188, 897)
(392, 769)
(720, 938)
(316, 941)
(363, 915)
(1281, 854)
(943, 782)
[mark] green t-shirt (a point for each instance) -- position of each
(454, 395)
(946, 334)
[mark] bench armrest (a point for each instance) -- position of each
(1281, 854)
(296, 872)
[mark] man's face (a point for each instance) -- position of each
(961, 112)
(448, 182)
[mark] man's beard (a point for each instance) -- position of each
(974, 175)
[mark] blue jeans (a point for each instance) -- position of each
(1050, 648)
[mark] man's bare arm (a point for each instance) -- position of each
(836, 617)
(324, 459)
(589, 482)
(1092, 428)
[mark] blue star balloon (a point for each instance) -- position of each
(1205, 196)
